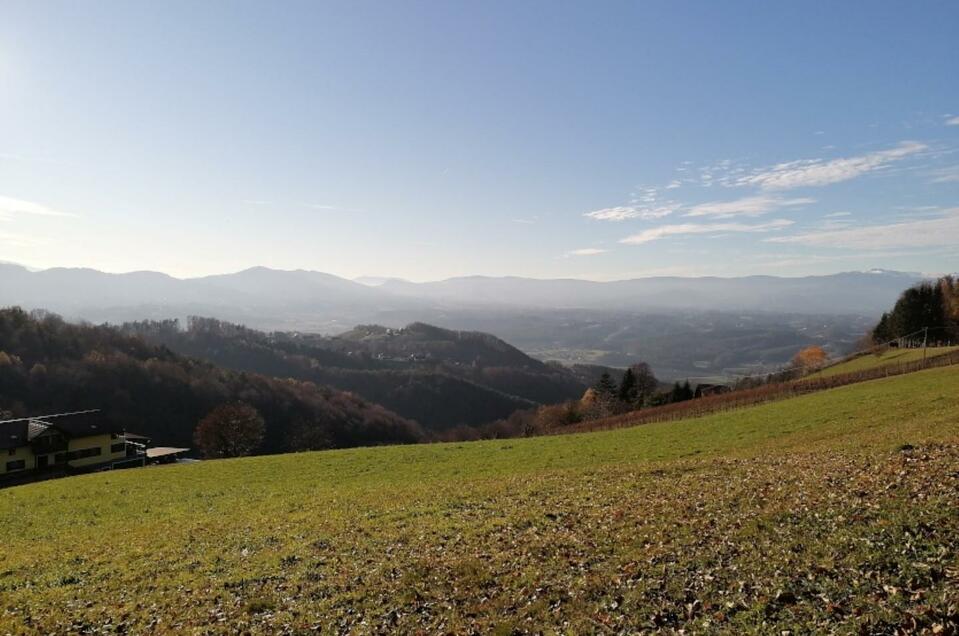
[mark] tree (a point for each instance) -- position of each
(883, 332)
(646, 382)
(681, 392)
(627, 388)
(606, 387)
(931, 305)
(230, 430)
(811, 357)
(949, 290)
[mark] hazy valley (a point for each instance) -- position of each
(698, 328)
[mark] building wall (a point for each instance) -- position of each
(23, 453)
(103, 442)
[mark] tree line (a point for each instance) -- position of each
(637, 389)
(48, 365)
(932, 305)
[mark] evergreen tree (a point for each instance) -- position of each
(606, 387)
(627, 388)
(681, 392)
(882, 332)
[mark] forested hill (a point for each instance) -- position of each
(438, 377)
(48, 365)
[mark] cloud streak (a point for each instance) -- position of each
(586, 251)
(10, 207)
(819, 172)
(946, 175)
(624, 212)
(943, 230)
(657, 233)
(747, 206)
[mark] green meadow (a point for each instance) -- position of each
(834, 511)
(886, 358)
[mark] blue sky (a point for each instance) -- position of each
(427, 140)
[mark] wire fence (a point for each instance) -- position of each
(765, 393)
(908, 341)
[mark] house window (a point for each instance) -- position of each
(118, 448)
(83, 453)
(19, 464)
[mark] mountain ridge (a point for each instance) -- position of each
(66, 289)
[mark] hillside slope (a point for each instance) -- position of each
(49, 366)
(437, 377)
(891, 357)
(835, 511)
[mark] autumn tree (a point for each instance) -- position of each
(230, 430)
(811, 357)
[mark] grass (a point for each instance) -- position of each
(835, 511)
(889, 357)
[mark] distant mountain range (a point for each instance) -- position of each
(266, 294)
(850, 292)
(684, 327)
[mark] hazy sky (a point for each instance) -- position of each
(425, 140)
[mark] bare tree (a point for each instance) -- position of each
(230, 430)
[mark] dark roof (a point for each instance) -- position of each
(21, 431)
(82, 424)
(13, 433)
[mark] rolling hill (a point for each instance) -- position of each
(438, 377)
(49, 366)
(890, 357)
(831, 512)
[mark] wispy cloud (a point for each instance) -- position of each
(10, 206)
(942, 230)
(946, 175)
(656, 233)
(586, 251)
(838, 214)
(624, 212)
(530, 221)
(747, 206)
(952, 121)
(819, 172)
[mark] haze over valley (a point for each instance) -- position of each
(683, 327)
(466, 318)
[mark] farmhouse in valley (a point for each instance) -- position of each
(34, 447)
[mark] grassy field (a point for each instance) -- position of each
(835, 511)
(890, 357)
